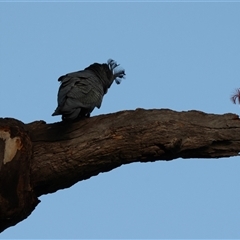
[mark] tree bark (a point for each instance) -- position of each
(49, 157)
(17, 198)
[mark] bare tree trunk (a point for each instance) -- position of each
(40, 158)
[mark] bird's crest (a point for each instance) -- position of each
(235, 98)
(118, 74)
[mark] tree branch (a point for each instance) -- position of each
(64, 153)
(40, 158)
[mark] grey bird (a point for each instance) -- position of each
(80, 92)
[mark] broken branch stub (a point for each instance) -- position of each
(17, 200)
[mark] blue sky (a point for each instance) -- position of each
(181, 56)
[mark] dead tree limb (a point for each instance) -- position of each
(56, 156)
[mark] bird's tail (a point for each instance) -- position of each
(56, 112)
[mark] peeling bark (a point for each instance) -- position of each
(65, 153)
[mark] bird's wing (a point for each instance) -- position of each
(78, 74)
(79, 89)
(86, 93)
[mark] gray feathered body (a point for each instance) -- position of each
(80, 92)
